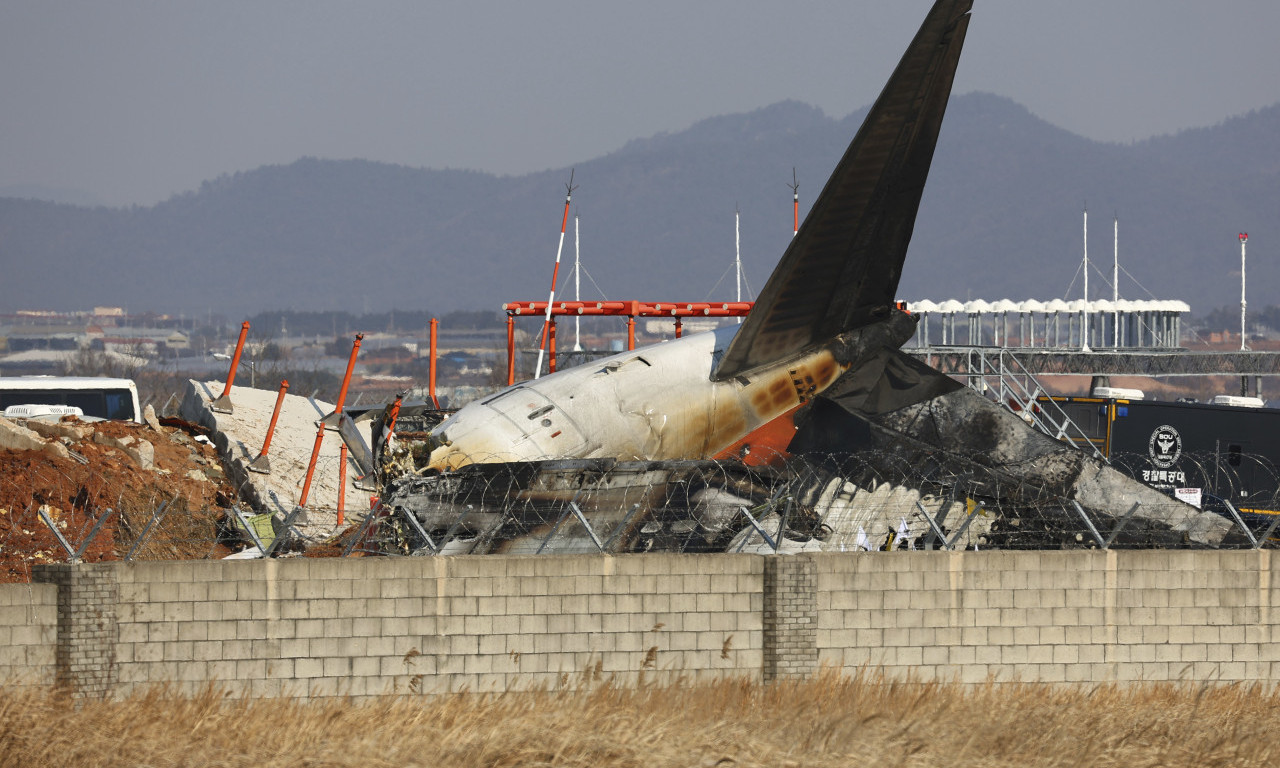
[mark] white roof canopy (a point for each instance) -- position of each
(978, 306)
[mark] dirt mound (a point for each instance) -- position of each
(121, 470)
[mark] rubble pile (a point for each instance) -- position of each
(240, 435)
(76, 471)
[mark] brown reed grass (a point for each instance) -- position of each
(830, 720)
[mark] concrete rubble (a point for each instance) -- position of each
(142, 452)
(17, 437)
(239, 437)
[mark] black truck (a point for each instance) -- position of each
(1204, 453)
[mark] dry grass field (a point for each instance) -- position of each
(832, 720)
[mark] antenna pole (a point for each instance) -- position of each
(795, 204)
(577, 286)
(1084, 327)
(546, 323)
(1244, 240)
(1115, 287)
(737, 257)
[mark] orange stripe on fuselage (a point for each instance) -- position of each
(767, 444)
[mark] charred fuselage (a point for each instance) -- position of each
(823, 337)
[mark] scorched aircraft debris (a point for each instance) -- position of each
(821, 346)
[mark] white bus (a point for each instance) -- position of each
(95, 396)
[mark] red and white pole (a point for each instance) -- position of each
(555, 274)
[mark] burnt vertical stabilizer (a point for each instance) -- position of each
(841, 269)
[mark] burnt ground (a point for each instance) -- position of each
(186, 472)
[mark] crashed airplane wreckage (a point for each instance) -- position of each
(805, 427)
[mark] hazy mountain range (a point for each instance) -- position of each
(1001, 218)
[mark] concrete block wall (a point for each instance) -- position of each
(1052, 616)
(28, 633)
(363, 626)
(790, 617)
(321, 627)
(84, 652)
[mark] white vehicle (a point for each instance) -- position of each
(42, 411)
(94, 396)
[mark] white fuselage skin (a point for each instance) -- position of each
(654, 403)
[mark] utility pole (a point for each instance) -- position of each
(577, 286)
(795, 204)
(737, 256)
(1244, 240)
(1115, 287)
(1084, 324)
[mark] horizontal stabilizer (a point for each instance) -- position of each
(841, 270)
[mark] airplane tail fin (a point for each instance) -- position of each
(841, 270)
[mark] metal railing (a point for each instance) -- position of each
(999, 370)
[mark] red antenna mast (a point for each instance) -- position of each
(555, 273)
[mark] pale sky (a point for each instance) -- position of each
(131, 101)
